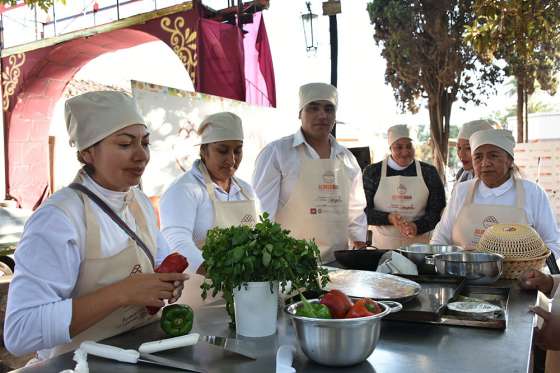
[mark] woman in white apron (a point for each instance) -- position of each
(497, 195)
(547, 336)
(466, 171)
(309, 183)
(405, 197)
(78, 274)
(208, 195)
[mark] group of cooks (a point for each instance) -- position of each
(85, 262)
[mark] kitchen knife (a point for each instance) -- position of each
(166, 362)
(133, 356)
(229, 344)
(168, 343)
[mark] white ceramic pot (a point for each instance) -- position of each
(256, 309)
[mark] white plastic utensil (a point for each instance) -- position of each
(169, 343)
(110, 352)
(133, 357)
(285, 359)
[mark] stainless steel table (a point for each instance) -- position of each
(404, 347)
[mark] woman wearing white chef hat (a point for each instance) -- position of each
(496, 195)
(78, 274)
(466, 172)
(404, 196)
(209, 195)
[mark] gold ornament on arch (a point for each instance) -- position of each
(183, 42)
(10, 78)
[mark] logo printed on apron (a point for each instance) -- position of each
(405, 195)
(473, 219)
(228, 213)
(318, 205)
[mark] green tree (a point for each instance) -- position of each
(422, 42)
(526, 35)
(534, 104)
(424, 147)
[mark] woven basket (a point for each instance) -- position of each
(521, 246)
(514, 268)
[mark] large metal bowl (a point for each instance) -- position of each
(339, 342)
(417, 253)
(476, 267)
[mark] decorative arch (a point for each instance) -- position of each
(33, 81)
(34, 77)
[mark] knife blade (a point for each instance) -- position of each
(232, 345)
(163, 361)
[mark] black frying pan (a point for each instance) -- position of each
(361, 259)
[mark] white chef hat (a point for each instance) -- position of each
(220, 127)
(317, 92)
(93, 116)
(500, 138)
(396, 132)
(471, 127)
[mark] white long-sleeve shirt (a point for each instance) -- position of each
(48, 259)
(277, 172)
(537, 207)
(187, 213)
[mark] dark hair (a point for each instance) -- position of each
(88, 168)
(203, 149)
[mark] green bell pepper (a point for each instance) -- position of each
(177, 319)
(314, 310)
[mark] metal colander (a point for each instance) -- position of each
(520, 244)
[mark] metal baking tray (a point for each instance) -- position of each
(430, 303)
(498, 296)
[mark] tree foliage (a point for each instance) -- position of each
(526, 35)
(422, 42)
(43, 4)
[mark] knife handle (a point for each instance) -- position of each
(169, 343)
(110, 352)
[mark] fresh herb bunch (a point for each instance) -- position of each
(236, 255)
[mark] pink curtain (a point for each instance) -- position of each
(259, 72)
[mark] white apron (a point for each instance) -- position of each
(318, 205)
(97, 271)
(229, 213)
(474, 219)
(404, 195)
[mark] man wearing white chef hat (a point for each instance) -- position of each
(496, 195)
(311, 184)
(78, 275)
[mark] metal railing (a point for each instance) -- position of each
(23, 24)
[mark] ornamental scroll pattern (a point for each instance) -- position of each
(10, 78)
(183, 42)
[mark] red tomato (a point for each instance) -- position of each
(337, 302)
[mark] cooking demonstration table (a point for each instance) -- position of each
(403, 347)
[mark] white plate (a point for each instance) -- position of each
(473, 307)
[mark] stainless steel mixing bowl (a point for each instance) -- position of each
(476, 267)
(417, 253)
(339, 342)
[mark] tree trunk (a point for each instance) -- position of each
(520, 101)
(526, 106)
(439, 108)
